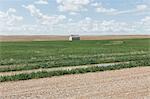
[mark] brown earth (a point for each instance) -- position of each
(54, 37)
(111, 37)
(133, 83)
(31, 37)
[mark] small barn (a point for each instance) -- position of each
(74, 37)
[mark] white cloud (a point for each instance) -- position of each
(100, 27)
(73, 5)
(9, 18)
(104, 26)
(41, 2)
(45, 23)
(73, 13)
(141, 7)
(70, 19)
(11, 23)
(44, 19)
(138, 9)
(25, 30)
(145, 24)
(105, 10)
(146, 20)
(11, 10)
(112, 11)
(33, 10)
(86, 26)
(96, 4)
(101, 9)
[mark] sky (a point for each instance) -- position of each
(83, 17)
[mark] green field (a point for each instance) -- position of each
(18, 56)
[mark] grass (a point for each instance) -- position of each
(18, 56)
(42, 74)
(65, 53)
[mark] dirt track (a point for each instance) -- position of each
(127, 84)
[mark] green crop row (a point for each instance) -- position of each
(42, 74)
(75, 62)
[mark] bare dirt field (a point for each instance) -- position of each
(111, 37)
(119, 84)
(54, 37)
(32, 38)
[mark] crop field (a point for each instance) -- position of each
(33, 56)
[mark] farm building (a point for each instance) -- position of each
(74, 37)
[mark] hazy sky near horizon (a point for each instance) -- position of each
(84, 17)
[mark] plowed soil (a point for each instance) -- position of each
(133, 83)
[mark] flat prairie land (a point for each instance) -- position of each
(56, 37)
(31, 69)
(119, 84)
(52, 56)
